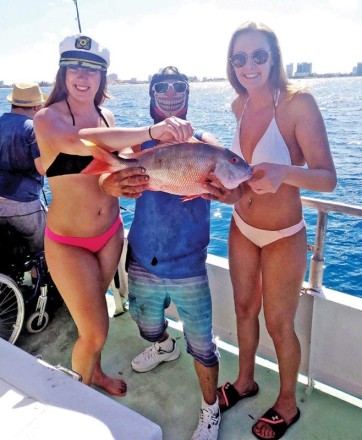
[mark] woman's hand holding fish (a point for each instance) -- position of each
(172, 129)
(217, 191)
(267, 178)
(129, 183)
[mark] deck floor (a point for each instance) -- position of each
(169, 395)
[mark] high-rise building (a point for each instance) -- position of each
(304, 69)
(289, 70)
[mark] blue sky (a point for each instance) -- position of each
(144, 35)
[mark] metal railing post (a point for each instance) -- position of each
(317, 261)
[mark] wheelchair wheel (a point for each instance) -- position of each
(33, 325)
(12, 309)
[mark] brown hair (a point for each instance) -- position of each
(277, 77)
(60, 92)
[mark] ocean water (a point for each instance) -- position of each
(340, 101)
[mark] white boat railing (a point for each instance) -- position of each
(323, 207)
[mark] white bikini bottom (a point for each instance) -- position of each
(262, 237)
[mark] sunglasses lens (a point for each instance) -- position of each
(238, 60)
(179, 87)
(260, 56)
(161, 87)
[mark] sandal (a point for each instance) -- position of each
(277, 423)
(231, 395)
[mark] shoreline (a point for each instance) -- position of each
(195, 80)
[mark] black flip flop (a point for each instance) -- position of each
(231, 395)
(276, 423)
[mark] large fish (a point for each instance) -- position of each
(178, 168)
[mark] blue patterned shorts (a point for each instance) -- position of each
(150, 295)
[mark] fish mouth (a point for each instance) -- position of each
(236, 178)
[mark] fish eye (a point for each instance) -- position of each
(233, 160)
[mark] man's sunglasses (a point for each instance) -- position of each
(163, 87)
(259, 56)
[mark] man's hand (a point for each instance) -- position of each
(215, 190)
(129, 183)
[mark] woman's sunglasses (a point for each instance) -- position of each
(163, 87)
(259, 56)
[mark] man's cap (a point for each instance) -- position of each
(27, 94)
(82, 51)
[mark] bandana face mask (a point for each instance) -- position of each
(169, 97)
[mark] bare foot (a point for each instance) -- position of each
(114, 386)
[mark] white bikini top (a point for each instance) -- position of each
(271, 147)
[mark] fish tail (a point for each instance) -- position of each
(103, 161)
(98, 167)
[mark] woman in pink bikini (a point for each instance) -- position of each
(280, 132)
(84, 233)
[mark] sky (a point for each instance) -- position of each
(145, 35)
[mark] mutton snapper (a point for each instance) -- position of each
(177, 168)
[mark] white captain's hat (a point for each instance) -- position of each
(82, 51)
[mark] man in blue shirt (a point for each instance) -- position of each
(167, 253)
(21, 172)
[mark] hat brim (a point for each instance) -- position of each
(82, 64)
(27, 103)
(79, 58)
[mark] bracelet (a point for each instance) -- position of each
(149, 133)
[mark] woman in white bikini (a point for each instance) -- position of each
(279, 131)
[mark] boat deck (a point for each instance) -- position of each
(170, 396)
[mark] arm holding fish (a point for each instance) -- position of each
(218, 192)
(206, 137)
(117, 138)
(54, 135)
(310, 136)
(129, 183)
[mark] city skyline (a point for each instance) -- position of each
(193, 35)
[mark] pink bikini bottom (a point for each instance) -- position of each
(93, 244)
(262, 237)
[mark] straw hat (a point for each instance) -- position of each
(27, 94)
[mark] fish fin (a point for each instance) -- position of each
(88, 143)
(100, 153)
(188, 198)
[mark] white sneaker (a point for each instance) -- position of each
(154, 355)
(209, 422)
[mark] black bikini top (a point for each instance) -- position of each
(71, 163)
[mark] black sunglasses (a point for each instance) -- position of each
(163, 87)
(259, 56)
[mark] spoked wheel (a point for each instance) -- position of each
(35, 323)
(12, 309)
